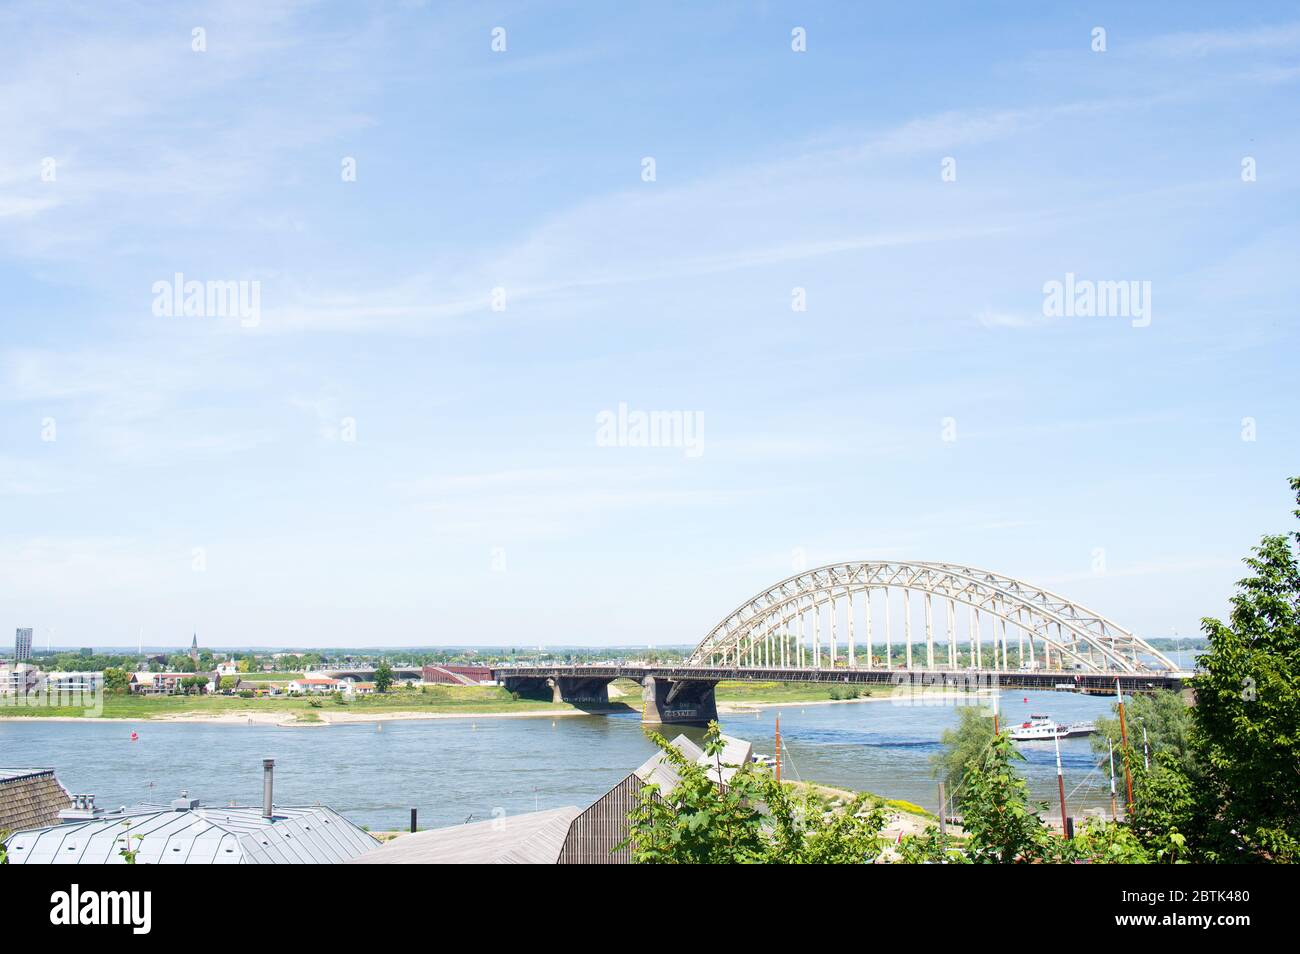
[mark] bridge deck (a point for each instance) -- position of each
(1096, 683)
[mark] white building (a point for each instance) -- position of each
(74, 681)
(314, 684)
(19, 680)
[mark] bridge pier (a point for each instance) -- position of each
(678, 702)
(582, 691)
(540, 688)
(575, 690)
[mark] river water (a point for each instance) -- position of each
(454, 770)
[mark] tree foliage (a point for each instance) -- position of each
(1226, 787)
(1165, 801)
(962, 745)
(1166, 720)
(1001, 826)
(751, 819)
(1247, 718)
(117, 681)
(383, 677)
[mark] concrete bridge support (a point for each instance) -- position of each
(540, 688)
(678, 702)
(577, 691)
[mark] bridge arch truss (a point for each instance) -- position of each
(798, 623)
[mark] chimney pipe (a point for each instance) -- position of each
(268, 776)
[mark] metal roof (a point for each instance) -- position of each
(534, 838)
(297, 835)
(657, 770)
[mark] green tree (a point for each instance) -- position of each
(962, 745)
(1167, 801)
(193, 684)
(1247, 717)
(1000, 825)
(698, 822)
(116, 681)
(383, 677)
(1167, 721)
(752, 819)
(1099, 842)
(931, 847)
(807, 833)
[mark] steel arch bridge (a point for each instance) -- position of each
(796, 624)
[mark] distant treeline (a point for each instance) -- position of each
(1168, 643)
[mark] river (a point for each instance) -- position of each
(454, 770)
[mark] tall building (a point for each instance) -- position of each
(23, 645)
(194, 648)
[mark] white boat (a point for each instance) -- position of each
(1043, 728)
(764, 760)
(1037, 729)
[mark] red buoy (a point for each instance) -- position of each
(134, 737)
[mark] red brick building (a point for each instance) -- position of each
(457, 675)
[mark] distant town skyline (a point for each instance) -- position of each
(332, 326)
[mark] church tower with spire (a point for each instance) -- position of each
(194, 649)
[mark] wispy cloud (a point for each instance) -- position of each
(1284, 36)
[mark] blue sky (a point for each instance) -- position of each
(476, 504)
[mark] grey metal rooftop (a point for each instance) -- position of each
(297, 835)
(658, 770)
(534, 838)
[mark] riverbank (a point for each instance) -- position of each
(434, 702)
